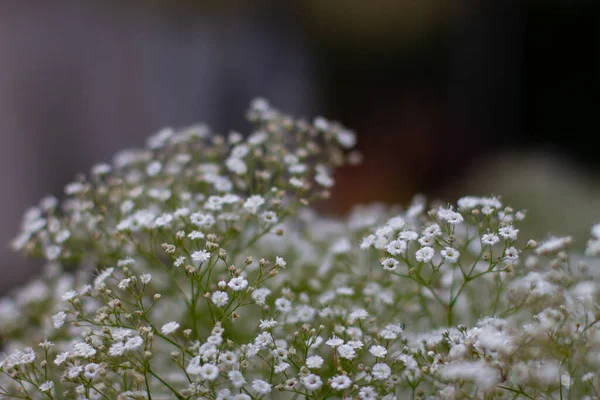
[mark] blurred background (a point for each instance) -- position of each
(448, 98)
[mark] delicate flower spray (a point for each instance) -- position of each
(195, 269)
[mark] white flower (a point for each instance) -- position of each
(258, 137)
(566, 380)
(490, 239)
(214, 203)
(253, 203)
(125, 262)
(360, 314)
(396, 247)
(324, 180)
(169, 328)
(70, 295)
(237, 284)
(484, 375)
(346, 138)
(61, 358)
(163, 220)
(426, 240)
(236, 165)
(284, 305)
(390, 264)
(52, 252)
(297, 183)
(367, 393)
(589, 377)
(424, 254)
(58, 319)
(409, 362)
(116, 349)
(367, 242)
(236, 378)
(145, 278)
(194, 235)
(83, 350)
(340, 382)
(46, 386)
(508, 232)
(260, 295)
(91, 370)
(553, 245)
(432, 230)
(449, 215)
(511, 254)
(346, 351)
(200, 257)
(269, 217)
(267, 323)
(179, 261)
(74, 371)
(280, 262)
(133, 343)
(220, 298)
(263, 339)
(202, 220)
(378, 351)
(450, 255)
(124, 284)
(334, 341)
(281, 367)
(314, 362)
(408, 235)
(312, 382)
(102, 277)
(194, 366)
(596, 231)
(321, 123)
(381, 371)
(261, 387)
(209, 372)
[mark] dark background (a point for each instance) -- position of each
(448, 98)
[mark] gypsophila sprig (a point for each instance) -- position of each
(202, 273)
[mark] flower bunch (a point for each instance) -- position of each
(196, 269)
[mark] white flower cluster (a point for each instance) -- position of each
(195, 269)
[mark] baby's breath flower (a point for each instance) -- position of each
(450, 255)
(237, 378)
(200, 257)
(280, 262)
(381, 371)
(490, 239)
(261, 387)
(46, 386)
(424, 254)
(61, 358)
(390, 264)
(508, 232)
(312, 382)
(220, 298)
(253, 203)
(169, 328)
(237, 284)
(58, 319)
(83, 350)
(340, 382)
(314, 362)
(267, 323)
(70, 295)
(378, 351)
